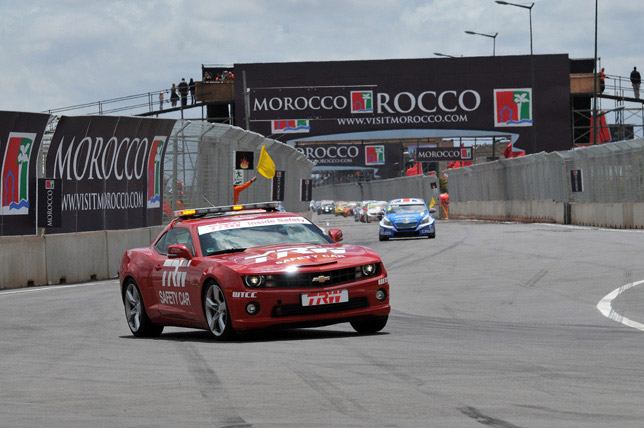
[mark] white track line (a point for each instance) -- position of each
(606, 308)
(49, 288)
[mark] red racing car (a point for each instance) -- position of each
(237, 268)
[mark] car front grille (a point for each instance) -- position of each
(295, 310)
(405, 226)
(305, 280)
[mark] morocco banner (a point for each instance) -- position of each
(111, 170)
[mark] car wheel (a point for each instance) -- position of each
(383, 238)
(137, 319)
(369, 325)
(217, 314)
(431, 235)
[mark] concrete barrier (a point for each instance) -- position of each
(638, 216)
(67, 258)
(22, 261)
(120, 240)
(76, 257)
(535, 211)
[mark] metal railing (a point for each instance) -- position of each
(137, 104)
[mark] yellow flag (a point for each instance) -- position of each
(265, 166)
(432, 203)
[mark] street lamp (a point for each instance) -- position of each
(534, 105)
(524, 6)
(445, 55)
(492, 36)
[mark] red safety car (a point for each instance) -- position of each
(236, 268)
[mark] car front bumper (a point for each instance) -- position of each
(392, 232)
(283, 307)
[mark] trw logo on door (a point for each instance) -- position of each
(173, 275)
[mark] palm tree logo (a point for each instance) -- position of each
(23, 169)
(521, 99)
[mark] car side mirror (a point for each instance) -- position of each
(335, 235)
(179, 251)
(432, 210)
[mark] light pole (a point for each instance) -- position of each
(534, 105)
(595, 82)
(524, 6)
(492, 36)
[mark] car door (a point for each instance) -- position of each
(176, 280)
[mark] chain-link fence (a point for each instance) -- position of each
(607, 173)
(199, 167)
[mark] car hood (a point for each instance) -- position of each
(409, 217)
(277, 258)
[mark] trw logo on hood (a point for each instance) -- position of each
(286, 255)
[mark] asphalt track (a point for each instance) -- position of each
(492, 324)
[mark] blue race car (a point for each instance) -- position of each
(407, 218)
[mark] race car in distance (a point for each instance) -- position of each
(375, 211)
(245, 267)
(339, 208)
(358, 211)
(326, 207)
(407, 218)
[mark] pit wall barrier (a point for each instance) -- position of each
(67, 258)
(609, 215)
(425, 187)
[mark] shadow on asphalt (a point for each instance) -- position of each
(259, 336)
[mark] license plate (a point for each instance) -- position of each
(325, 298)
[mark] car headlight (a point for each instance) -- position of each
(254, 281)
(369, 269)
(387, 222)
(424, 221)
(365, 270)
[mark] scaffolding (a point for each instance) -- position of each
(620, 113)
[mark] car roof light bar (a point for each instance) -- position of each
(227, 210)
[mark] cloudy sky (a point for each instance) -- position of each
(57, 53)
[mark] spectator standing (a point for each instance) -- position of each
(173, 95)
(191, 86)
(636, 80)
(183, 92)
(602, 81)
(161, 100)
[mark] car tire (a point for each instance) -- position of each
(431, 235)
(369, 325)
(137, 319)
(216, 312)
(383, 238)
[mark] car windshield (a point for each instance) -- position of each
(227, 240)
(401, 209)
